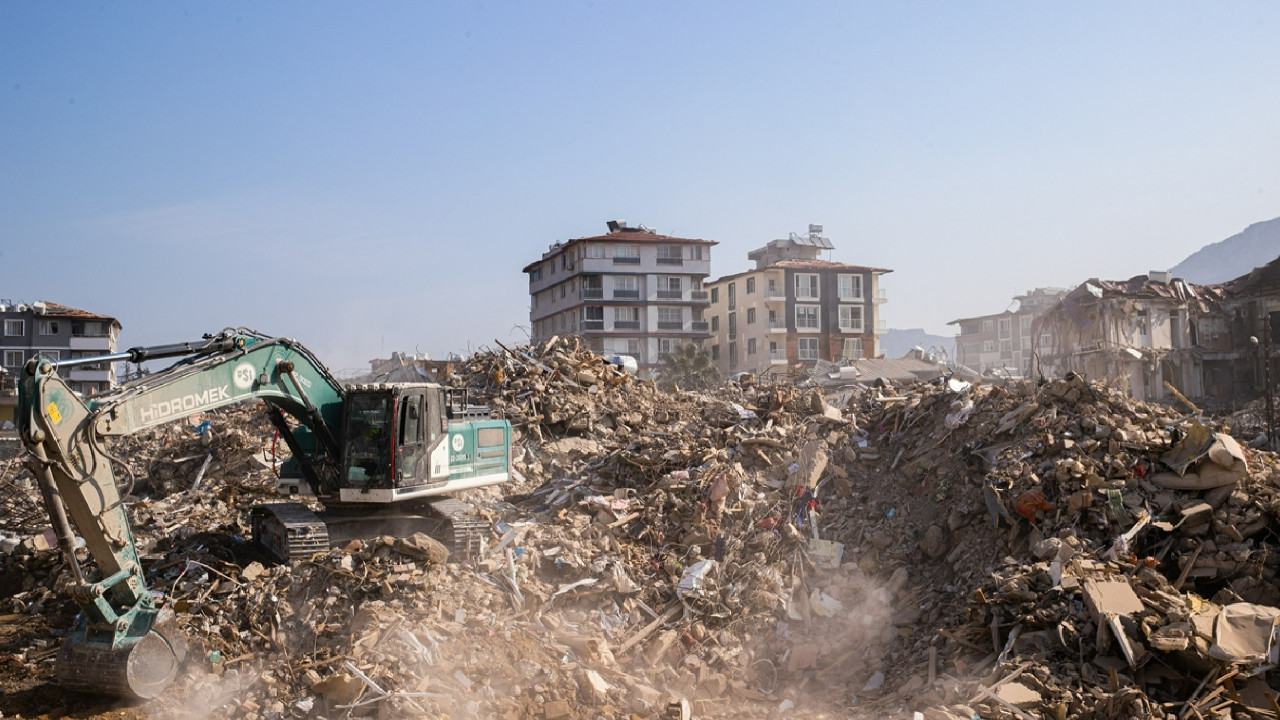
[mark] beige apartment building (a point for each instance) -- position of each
(1002, 343)
(631, 291)
(794, 309)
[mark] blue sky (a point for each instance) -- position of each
(370, 177)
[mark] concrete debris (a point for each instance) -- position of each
(935, 550)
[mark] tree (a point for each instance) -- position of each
(687, 367)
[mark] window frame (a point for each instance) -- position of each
(850, 327)
(813, 288)
(807, 311)
(815, 349)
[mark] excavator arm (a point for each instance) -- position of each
(125, 643)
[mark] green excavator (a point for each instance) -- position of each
(382, 458)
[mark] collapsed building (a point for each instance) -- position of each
(943, 549)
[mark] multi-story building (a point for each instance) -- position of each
(794, 308)
(1139, 333)
(57, 332)
(630, 292)
(1001, 343)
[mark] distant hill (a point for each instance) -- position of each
(896, 343)
(1258, 245)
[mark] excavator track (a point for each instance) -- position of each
(291, 531)
(469, 529)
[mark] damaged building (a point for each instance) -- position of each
(1139, 333)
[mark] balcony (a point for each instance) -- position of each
(670, 325)
(852, 329)
(698, 326)
(626, 294)
(593, 293)
(670, 294)
(592, 324)
(96, 342)
(699, 295)
(670, 261)
(774, 293)
(880, 328)
(626, 261)
(777, 327)
(777, 357)
(880, 297)
(626, 324)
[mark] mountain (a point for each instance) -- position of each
(1258, 245)
(896, 343)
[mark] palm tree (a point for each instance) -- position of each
(687, 367)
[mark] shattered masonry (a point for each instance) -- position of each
(1033, 550)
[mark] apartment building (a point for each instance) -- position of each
(795, 308)
(1138, 333)
(1002, 343)
(631, 291)
(57, 332)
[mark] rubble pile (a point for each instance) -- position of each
(1044, 550)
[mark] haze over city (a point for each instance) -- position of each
(372, 178)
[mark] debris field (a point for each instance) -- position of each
(943, 551)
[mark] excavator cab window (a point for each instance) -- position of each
(369, 441)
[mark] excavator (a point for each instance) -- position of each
(381, 458)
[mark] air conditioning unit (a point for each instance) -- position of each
(20, 307)
(40, 307)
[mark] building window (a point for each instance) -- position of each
(87, 329)
(751, 346)
(15, 328)
(751, 285)
(626, 318)
(733, 324)
(48, 327)
(670, 318)
(808, 348)
(733, 296)
(1004, 327)
(1025, 321)
(715, 352)
(853, 348)
(806, 317)
(715, 323)
(669, 287)
(715, 295)
(13, 358)
(665, 346)
(988, 326)
(851, 318)
(773, 288)
(1046, 340)
(1026, 342)
(670, 255)
(751, 316)
(774, 323)
(988, 346)
(695, 252)
(850, 287)
(595, 251)
(592, 318)
(807, 286)
(54, 355)
(535, 274)
(733, 356)
(626, 254)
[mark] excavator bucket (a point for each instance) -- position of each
(142, 669)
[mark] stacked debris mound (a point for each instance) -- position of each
(1079, 553)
